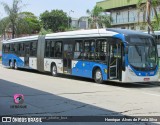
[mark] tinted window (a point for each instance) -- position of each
(21, 53)
(101, 49)
(78, 53)
(58, 49)
(33, 51)
(7, 48)
(52, 48)
(47, 49)
(89, 49)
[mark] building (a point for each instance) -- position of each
(81, 23)
(74, 23)
(124, 14)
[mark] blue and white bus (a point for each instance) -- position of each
(100, 54)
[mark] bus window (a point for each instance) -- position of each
(21, 49)
(78, 53)
(7, 48)
(101, 49)
(16, 48)
(47, 49)
(3, 49)
(27, 49)
(89, 49)
(58, 49)
(12, 48)
(33, 51)
(52, 49)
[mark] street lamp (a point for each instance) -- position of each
(69, 18)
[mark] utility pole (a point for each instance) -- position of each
(69, 18)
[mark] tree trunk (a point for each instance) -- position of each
(148, 10)
(13, 31)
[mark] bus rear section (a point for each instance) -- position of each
(20, 53)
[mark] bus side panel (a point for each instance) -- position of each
(11, 57)
(58, 62)
(33, 62)
(85, 69)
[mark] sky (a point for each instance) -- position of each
(39, 6)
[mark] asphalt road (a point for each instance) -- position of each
(45, 95)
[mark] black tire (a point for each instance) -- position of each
(54, 70)
(15, 65)
(98, 78)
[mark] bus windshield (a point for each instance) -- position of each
(142, 54)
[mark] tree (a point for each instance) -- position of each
(4, 25)
(156, 26)
(148, 5)
(12, 13)
(56, 20)
(27, 23)
(97, 18)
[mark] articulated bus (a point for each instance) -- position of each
(100, 54)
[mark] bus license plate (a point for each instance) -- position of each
(146, 79)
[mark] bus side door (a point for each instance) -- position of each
(67, 57)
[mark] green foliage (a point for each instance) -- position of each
(44, 32)
(56, 20)
(97, 17)
(155, 24)
(12, 12)
(4, 24)
(27, 23)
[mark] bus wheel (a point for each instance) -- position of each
(98, 76)
(54, 70)
(15, 65)
(10, 64)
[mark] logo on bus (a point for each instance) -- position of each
(18, 98)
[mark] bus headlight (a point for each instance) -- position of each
(131, 72)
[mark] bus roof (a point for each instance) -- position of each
(155, 33)
(21, 39)
(81, 34)
(127, 32)
(68, 34)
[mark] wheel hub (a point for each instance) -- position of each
(54, 70)
(98, 75)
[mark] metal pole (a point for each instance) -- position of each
(69, 18)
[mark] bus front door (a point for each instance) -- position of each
(115, 61)
(67, 58)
